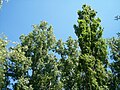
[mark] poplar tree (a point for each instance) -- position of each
(93, 58)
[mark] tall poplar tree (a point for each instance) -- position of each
(93, 58)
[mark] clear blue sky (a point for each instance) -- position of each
(17, 16)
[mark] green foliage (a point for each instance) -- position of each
(35, 54)
(114, 44)
(40, 62)
(93, 58)
(19, 66)
(68, 62)
(3, 55)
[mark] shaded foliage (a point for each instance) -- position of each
(114, 44)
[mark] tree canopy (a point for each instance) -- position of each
(41, 62)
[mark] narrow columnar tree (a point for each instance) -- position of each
(93, 58)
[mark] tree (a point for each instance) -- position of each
(18, 67)
(93, 58)
(40, 62)
(114, 44)
(3, 56)
(68, 63)
(35, 55)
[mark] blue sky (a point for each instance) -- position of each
(18, 16)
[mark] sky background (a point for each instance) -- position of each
(18, 16)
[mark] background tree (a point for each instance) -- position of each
(93, 58)
(114, 44)
(18, 67)
(3, 62)
(68, 62)
(34, 64)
